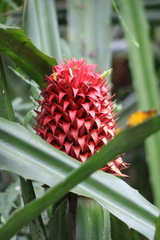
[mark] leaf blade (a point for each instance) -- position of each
(34, 158)
(20, 49)
(43, 28)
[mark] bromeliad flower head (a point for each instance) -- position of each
(76, 114)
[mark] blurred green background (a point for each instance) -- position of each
(108, 34)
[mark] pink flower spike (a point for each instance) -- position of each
(76, 114)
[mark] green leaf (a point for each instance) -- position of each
(121, 231)
(123, 22)
(6, 109)
(36, 226)
(92, 220)
(20, 49)
(24, 153)
(8, 200)
(42, 28)
(37, 229)
(145, 81)
(105, 74)
(89, 36)
(61, 219)
(157, 235)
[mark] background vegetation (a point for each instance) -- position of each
(123, 35)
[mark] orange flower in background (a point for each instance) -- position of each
(76, 114)
(140, 117)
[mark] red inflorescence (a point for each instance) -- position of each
(76, 114)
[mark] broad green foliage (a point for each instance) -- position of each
(27, 155)
(145, 81)
(21, 50)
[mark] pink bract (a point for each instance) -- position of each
(76, 114)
